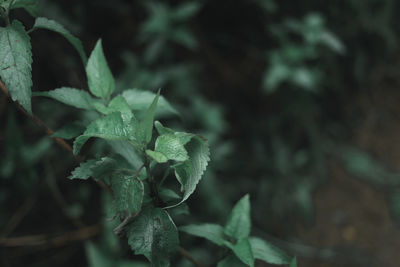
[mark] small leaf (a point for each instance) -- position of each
(70, 130)
(128, 192)
(100, 79)
(70, 96)
(145, 128)
(141, 100)
(293, 263)
(31, 6)
(190, 172)
(15, 63)
(239, 222)
(212, 232)
(117, 104)
(48, 24)
(230, 261)
(157, 156)
(98, 169)
(242, 250)
(154, 235)
(110, 127)
(170, 146)
(267, 252)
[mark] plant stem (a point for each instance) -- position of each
(152, 182)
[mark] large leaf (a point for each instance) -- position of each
(141, 100)
(110, 127)
(239, 222)
(242, 250)
(97, 169)
(31, 6)
(267, 252)
(171, 147)
(128, 191)
(190, 172)
(154, 235)
(15, 63)
(212, 232)
(100, 79)
(145, 128)
(70, 96)
(48, 24)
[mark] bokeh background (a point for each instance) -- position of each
(298, 99)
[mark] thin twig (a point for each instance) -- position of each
(51, 242)
(187, 255)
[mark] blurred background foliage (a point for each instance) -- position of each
(286, 92)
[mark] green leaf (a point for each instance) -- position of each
(70, 130)
(190, 172)
(128, 191)
(293, 263)
(31, 6)
(110, 127)
(239, 222)
(242, 250)
(154, 235)
(98, 169)
(267, 252)
(212, 232)
(48, 24)
(100, 79)
(171, 147)
(230, 261)
(117, 104)
(70, 96)
(157, 156)
(145, 128)
(183, 137)
(141, 100)
(15, 63)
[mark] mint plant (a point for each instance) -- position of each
(143, 201)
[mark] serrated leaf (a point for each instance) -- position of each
(231, 261)
(183, 137)
(110, 127)
(100, 79)
(70, 96)
(154, 235)
(239, 223)
(141, 100)
(267, 252)
(128, 191)
(294, 262)
(31, 6)
(171, 147)
(212, 232)
(145, 128)
(117, 104)
(15, 63)
(190, 172)
(157, 156)
(97, 169)
(48, 24)
(242, 250)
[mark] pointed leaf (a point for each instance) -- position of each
(98, 169)
(154, 235)
(100, 79)
(117, 104)
(231, 261)
(15, 63)
(242, 250)
(141, 100)
(70, 130)
(157, 156)
(31, 6)
(128, 192)
(212, 232)
(70, 96)
(190, 172)
(110, 127)
(145, 128)
(48, 24)
(171, 147)
(239, 222)
(267, 252)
